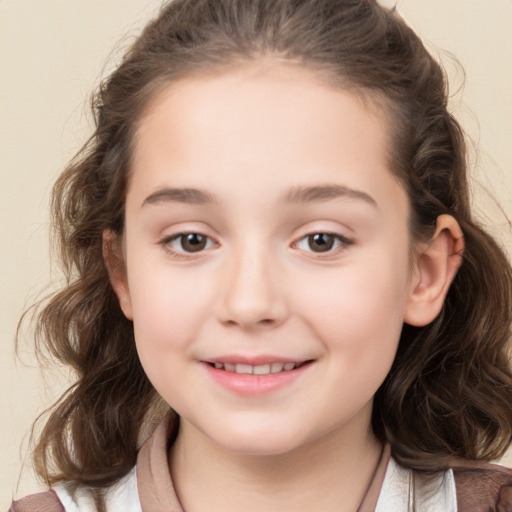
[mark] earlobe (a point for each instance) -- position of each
(114, 261)
(436, 265)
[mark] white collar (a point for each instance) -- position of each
(121, 496)
(402, 490)
(407, 490)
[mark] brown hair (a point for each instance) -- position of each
(449, 392)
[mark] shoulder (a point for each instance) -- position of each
(483, 487)
(122, 495)
(41, 502)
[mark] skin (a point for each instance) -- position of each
(261, 143)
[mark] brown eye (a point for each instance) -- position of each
(321, 242)
(187, 243)
(192, 242)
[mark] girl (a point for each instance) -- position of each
(270, 250)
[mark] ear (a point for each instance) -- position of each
(436, 264)
(114, 261)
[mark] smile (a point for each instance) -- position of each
(264, 376)
(262, 369)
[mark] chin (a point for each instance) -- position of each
(261, 442)
(260, 448)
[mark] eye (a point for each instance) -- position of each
(188, 242)
(322, 242)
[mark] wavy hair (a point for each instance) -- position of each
(449, 391)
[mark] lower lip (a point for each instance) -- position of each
(250, 384)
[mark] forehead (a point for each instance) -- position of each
(261, 123)
(256, 93)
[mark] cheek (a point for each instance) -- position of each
(358, 314)
(168, 310)
(167, 314)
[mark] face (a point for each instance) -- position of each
(267, 256)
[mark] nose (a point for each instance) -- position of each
(252, 292)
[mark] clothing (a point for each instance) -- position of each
(149, 488)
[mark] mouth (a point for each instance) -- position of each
(260, 369)
(255, 376)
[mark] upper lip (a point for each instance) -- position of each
(254, 360)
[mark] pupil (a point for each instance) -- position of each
(193, 242)
(321, 242)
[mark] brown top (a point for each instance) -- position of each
(480, 487)
(156, 489)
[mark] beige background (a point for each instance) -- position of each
(52, 53)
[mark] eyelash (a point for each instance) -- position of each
(167, 243)
(336, 241)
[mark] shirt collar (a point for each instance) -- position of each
(392, 487)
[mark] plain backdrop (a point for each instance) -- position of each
(53, 53)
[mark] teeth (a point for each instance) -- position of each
(262, 369)
(243, 368)
(276, 367)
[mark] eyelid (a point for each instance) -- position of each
(166, 241)
(343, 243)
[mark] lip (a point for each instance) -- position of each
(251, 384)
(253, 360)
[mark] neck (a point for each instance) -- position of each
(331, 473)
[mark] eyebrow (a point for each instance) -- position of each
(299, 194)
(179, 195)
(319, 193)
